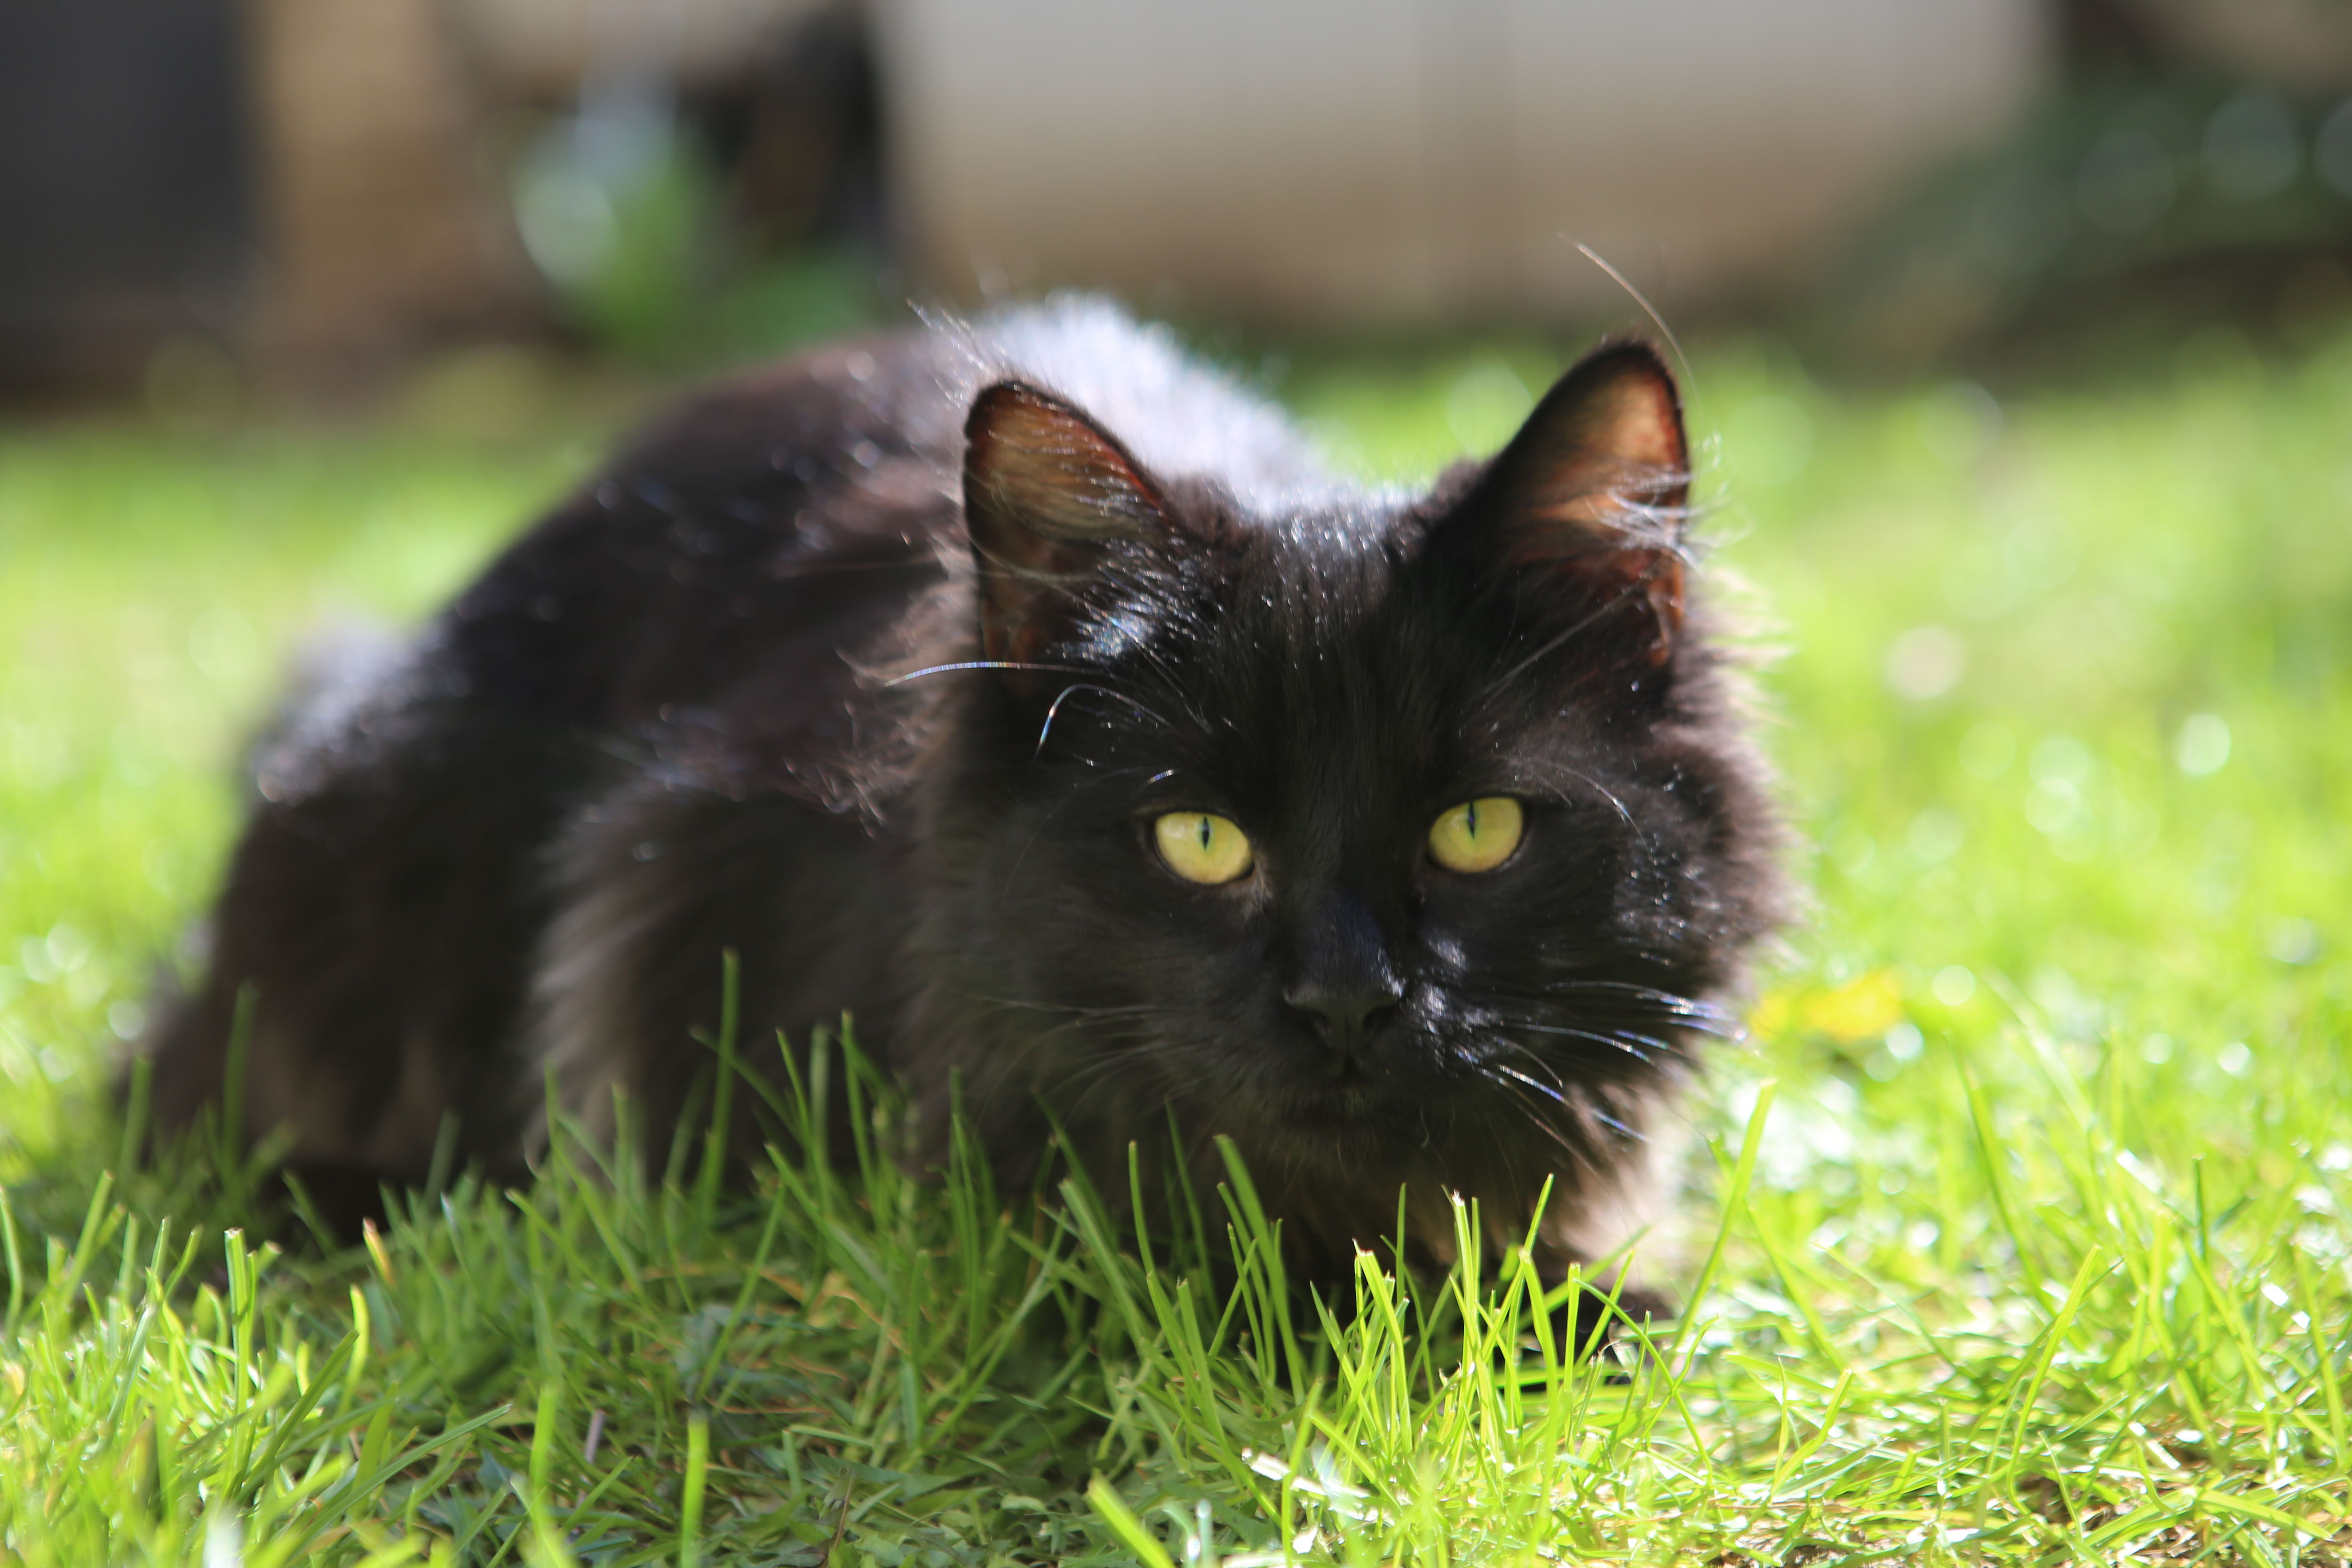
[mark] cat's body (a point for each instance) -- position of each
(749, 690)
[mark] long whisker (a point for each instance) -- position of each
(1096, 685)
(1046, 821)
(1605, 792)
(1079, 1009)
(1509, 1082)
(1639, 1047)
(1644, 1004)
(1110, 1053)
(986, 664)
(1099, 1074)
(1515, 1075)
(1606, 606)
(1513, 1080)
(1630, 988)
(1054, 711)
(1650, 1027)
(1594, 256)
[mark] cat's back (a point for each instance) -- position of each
(754, 547)
(780, 512)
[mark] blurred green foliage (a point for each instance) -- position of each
(649, 267)
(2123, 205)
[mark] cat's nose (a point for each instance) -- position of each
(1345, 1014)
(1344, 984)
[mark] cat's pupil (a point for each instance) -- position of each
(1470, 819)
(1206, 832)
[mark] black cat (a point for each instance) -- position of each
(1028, 692)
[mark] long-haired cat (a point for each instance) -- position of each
(1029, 693)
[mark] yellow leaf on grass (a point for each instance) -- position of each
(1858, 1010)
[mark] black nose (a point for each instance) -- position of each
(1344, 981)
(1346, 1015)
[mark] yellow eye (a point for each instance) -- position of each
(1202, 846)
(1476, 835)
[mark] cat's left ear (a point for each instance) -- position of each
(1589, 498)
(1049, 495)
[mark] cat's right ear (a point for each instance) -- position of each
(1048, 497)
(1586, 506)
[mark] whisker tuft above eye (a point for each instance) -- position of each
(983, 664)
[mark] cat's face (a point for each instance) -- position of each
(1385, 841)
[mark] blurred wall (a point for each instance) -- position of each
(1383, 161)
(545, 49)
(124, 183)
(387, 227)
(2304, 45)
(330, 185)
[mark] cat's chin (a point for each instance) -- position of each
(1354, 1116)
(1336, 1112)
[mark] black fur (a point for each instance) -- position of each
(750, 689)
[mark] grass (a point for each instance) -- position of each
(2019, 1234)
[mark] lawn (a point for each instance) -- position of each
(2020, 1233)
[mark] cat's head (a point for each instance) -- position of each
(1393, 838)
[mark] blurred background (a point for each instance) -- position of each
(220, 204)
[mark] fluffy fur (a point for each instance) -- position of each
(876, 669)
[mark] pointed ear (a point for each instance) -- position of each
(1589, 497)
(1048, 495)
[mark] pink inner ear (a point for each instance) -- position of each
(1046, 493)
(1605, 446)
(1624, 450)
(1041, 468)
(1638, 421)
